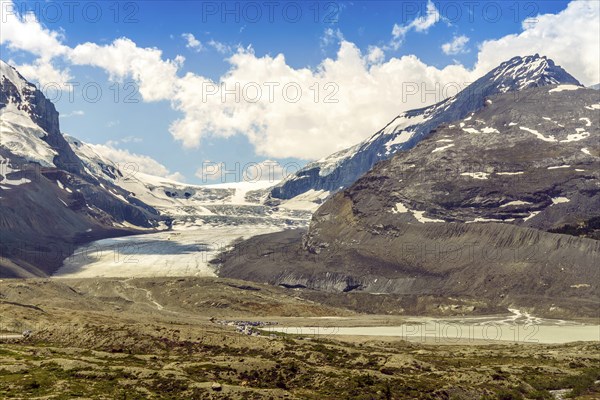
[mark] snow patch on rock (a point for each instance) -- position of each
(439, 149)
(476, 175)
(562, 88)
(539, 135)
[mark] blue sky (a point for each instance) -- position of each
(143, 126)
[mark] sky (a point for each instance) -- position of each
(185, 87)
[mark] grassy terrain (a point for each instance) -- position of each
(110, 340)
(291, 368)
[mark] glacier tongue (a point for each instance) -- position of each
(173, 253)
(205, 220)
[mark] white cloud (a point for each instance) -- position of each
(126, 139)
(176, 176)
(43, 72)
(142, 163)
(131, 139)
(24, 32)
(123, 58)
(220, 47)
(419, 24)
(366, 95)
(456, 46)
(192, 42)
(370, 88)
(76, 113)
(571, 38)
(331, 36)
(375, 55)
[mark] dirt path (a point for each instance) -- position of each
(147, 292)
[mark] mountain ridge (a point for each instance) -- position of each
(343, 168)
(501, 207)
(50, 202)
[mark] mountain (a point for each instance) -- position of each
(187, 205)
(499, 207)
(58, 192)
(50, 201)
(596, 86)
(343, 168)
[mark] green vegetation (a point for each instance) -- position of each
(305, 369)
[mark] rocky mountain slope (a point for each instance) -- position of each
(49, 200)
(341, 169)
(502, 204)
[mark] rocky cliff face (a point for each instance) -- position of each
(502, 205)
(49, 201)
(343, 168)
(25, 97)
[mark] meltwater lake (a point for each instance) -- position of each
(519, 327)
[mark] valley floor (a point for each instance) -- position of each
(179, 338)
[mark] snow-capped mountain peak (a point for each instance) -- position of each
(22, 89)
(520, 73)
(30, 125)
(13, 76)
(21, 131)
(344, 167)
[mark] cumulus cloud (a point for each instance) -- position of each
(571, 38)
(141, 163)
(24, 32)
(192, 42)
(122, 58)
(343, 99)
(456, 46)
(375, 55)
(46, 74)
